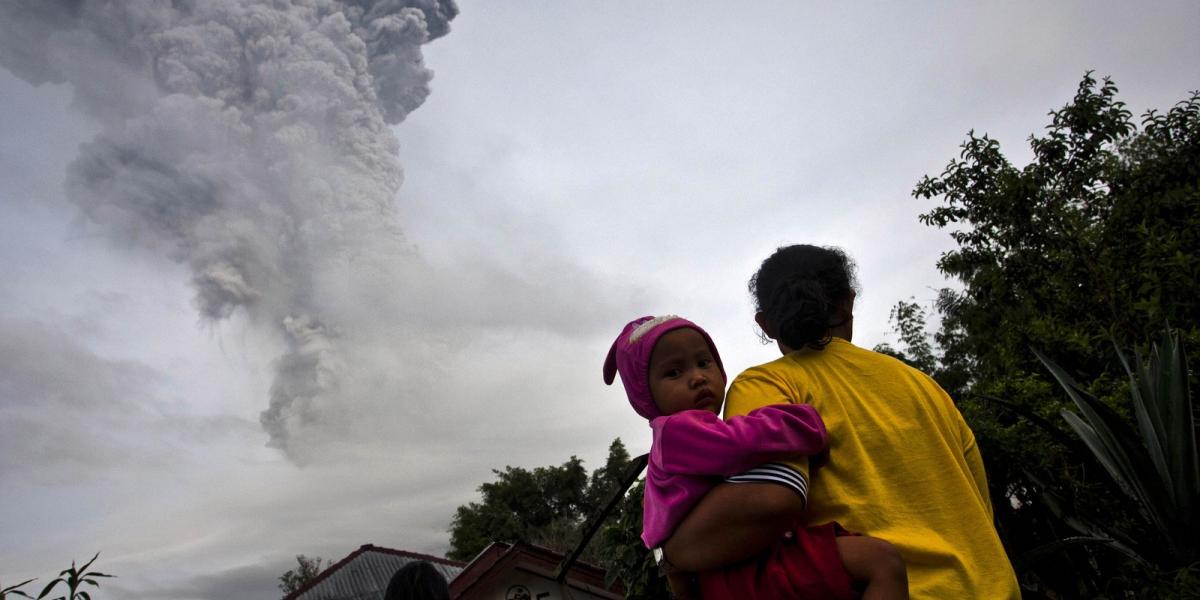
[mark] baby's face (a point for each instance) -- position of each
(684, 375)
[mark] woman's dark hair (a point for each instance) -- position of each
(418, 580)
(800, 289)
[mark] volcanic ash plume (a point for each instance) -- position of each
(249, 141)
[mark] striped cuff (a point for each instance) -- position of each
(775, 473)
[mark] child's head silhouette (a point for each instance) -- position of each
(667, 364)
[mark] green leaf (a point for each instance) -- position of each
(1169, 372)
(1162, 398)
(1115, 445)
(1156, 465)
(1149, 420)
(13, 589)
(49, 586)
(1182, 441)
(1115, 462)
(88, 564)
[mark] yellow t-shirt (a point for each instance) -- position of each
(902, 465)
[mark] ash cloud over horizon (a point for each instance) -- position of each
(250, 142)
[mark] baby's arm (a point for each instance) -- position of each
(700, 443)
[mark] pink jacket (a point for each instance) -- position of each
(694, 450)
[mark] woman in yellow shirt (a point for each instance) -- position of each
(902, 464)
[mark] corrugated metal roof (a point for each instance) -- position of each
(366, 574)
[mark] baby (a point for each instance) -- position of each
(674, 377)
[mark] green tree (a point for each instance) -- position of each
(605, 479)
(543, 506)
(623, 554)
(908, 320)
(306, 569)
(1093, 245)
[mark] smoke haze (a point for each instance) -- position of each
(250, 142)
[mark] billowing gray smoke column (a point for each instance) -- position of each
(247, 140)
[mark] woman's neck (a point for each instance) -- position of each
(844, 327)
(844, 330)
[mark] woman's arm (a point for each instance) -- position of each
(733, 522)
(736, 521)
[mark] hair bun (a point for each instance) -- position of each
(801, 313)
(798, 289)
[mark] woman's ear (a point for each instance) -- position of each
(844, 327)
(846, 307)
(762, 324)
(770, 333)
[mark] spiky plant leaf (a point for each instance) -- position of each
(14, 590)
(49, 587)
(1150, 420)
(1114, 444)
(1156, 464)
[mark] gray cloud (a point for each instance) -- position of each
(248, 581)
(68, 414)
(65, 410)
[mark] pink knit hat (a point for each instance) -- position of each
(630, 356)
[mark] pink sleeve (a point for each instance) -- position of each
(697, 442)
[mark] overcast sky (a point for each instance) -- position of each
(575, 165)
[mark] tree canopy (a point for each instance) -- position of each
(543, 506)
(548, 506)
(1092, 247)
(306, 569)
(1095, 240)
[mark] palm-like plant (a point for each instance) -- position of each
(75, 578)
(13, 591)
(1154, 463)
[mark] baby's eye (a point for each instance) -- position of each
(672, 373)
(704, 363)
